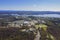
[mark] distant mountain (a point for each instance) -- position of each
(28, 12)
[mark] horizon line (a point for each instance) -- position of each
(30, 10)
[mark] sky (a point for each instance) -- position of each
(30, 5)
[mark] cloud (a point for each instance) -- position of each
(34, 5)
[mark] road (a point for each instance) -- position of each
(38, 36)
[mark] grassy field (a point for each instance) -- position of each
(41, 26)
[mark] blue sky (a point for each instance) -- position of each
(30, 5)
